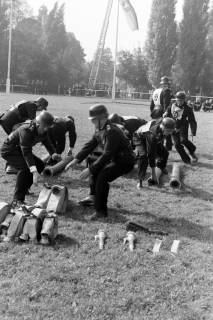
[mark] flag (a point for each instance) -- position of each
(130, 14)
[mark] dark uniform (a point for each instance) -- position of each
(17, 151)
(57, 133)
(162, 97)
(149, 142)
(20, 112)
(115, 159)
(184, 116)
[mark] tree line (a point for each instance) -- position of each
(45, 55)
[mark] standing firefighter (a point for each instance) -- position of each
(162, 96)
(149, 142)
(161, 100)
(116, 159)
(58, 131)
(183, 116)
(17, 151)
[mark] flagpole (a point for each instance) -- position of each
(115, 59)
(9, 49)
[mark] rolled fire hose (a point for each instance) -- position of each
(51, 171)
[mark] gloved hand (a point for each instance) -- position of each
(192, 136)
(35, 178)
(69, 153)
(153, 176)
(56, 157)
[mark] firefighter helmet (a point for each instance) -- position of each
(45, 118)
(168, 123)
(42, 102)
(98, 111)
(115, 118)
(164, 80)
(180, 95)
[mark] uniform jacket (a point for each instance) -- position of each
(161, 97)
(151, 136)
(183, 115)
(131, 123)
(20, 112)
(58, 132)
(25, 137)
(114, 144)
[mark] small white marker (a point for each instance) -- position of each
(174, 247)
(131, 238)
(157, 246)
(101, 236)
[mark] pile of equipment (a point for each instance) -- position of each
(37, 223)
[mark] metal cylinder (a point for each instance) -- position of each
(175, 176)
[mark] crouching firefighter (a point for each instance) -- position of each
(19, 113)
(116, 159)
(149, 143)
(130, 123)
(57, 134)
(17, 151)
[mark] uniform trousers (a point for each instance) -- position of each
(24, 178)
(143, 160)
(99, 182)
(180, 140)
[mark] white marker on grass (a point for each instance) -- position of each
(174, 247)
(101, 236)
(131, 238)
(157, 246)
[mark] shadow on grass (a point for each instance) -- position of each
(206, 155)
(180, 227)
(186, 191)
(204, 165)
(184, 228)
(64, 241)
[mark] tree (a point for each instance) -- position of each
(133, 69)
(191, 54)
(162, 40)
(20, 10)
(207, 82)
(105, 74)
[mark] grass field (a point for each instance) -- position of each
(74, 280)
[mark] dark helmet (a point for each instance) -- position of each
(98, 111)
(168, 123)
(164, 80)
(42, 102)
(45, 118)
(115, 118)
(157, 112)
(180, 95)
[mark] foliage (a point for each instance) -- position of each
(162, 40)
(133, 69)
(42, 50)
(191, 54)
(105, 74)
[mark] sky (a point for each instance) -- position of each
(85, 18)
